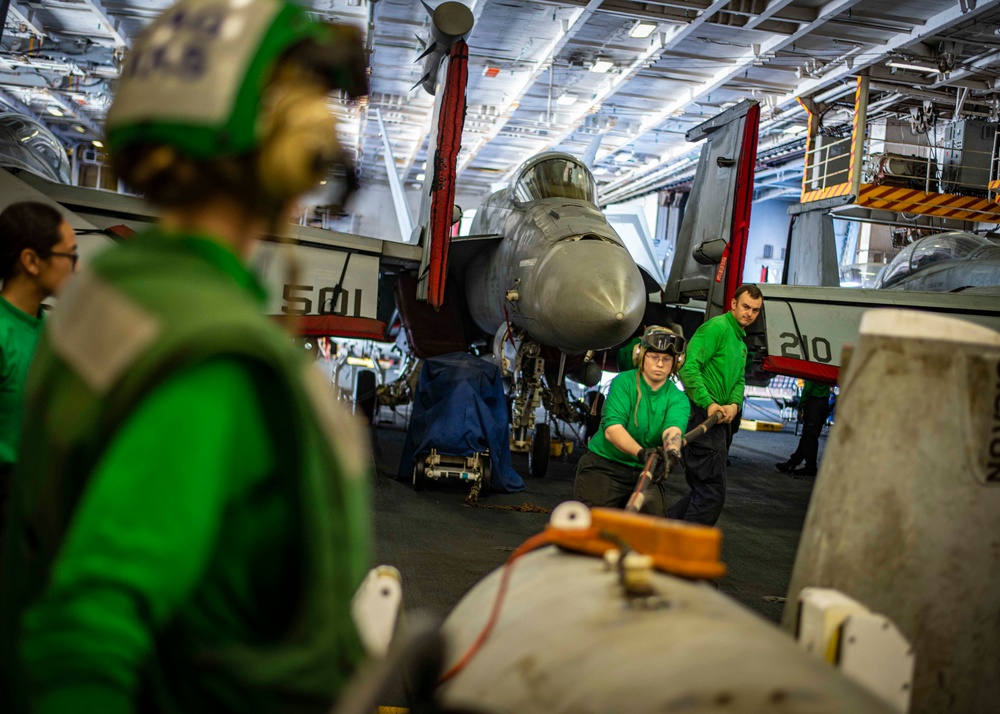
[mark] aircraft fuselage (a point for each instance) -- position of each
(562, 272)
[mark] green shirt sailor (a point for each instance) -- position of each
(19, 333)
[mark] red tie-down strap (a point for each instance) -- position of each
(449, 142)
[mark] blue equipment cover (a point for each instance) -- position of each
(460, 409)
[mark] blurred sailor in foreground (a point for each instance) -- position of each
(187, 525)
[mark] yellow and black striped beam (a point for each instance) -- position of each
(946, 205)
(840, 189)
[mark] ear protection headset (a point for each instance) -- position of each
(299, 144)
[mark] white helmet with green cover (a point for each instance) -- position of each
(196, 79)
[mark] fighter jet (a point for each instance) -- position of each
(541, 284)
(543, 268)
(945, 262)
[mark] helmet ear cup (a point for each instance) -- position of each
(299, 138)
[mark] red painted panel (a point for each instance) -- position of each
(743, 194)
(802, 368)
(363, 328)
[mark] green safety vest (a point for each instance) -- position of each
(140, 314)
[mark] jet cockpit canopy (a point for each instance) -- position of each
(956, 245)
(553, 175)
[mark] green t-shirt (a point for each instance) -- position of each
(657, 411)
(714, 367)
(19, 333)
(815, 389)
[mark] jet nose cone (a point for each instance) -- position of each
(586, 295)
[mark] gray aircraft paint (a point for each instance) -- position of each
(578, 288)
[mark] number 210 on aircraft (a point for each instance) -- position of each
(792, 343)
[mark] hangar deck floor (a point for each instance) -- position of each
(442, 547)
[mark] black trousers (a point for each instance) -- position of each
(608, 484)
(815, 410)
(705, 472)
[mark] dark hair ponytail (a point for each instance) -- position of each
(28, 224)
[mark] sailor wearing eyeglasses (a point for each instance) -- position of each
(644, 413)
(37, 256)
(713, 379)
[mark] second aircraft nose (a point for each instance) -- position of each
(585, 295)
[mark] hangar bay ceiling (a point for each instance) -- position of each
(629, 78)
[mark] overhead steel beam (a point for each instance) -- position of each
(108, 23)
(681, 33)
(76, 113)
(772, 8)
(971, 69)
(721, 77)
(942, 21)
(24, 16)
(575, 23)
(936, 24)
(14, 103)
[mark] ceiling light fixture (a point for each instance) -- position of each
(601, 66)
(566, 100)
(54, 111)
(80, 129)
(98, 144)
(914, 67)
(642, 29)
(797, 129)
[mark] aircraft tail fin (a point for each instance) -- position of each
(711, 246)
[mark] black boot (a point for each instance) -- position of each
(786, 467)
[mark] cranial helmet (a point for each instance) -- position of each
(660, 339)
(213, 80)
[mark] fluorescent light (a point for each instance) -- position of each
(98, 144)
(421, 177)
(361, 362)
(642, 29)
(80, 129)
(54, 111)
(566, 100)
(601, 66)
(914, 67)
(797, 129)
